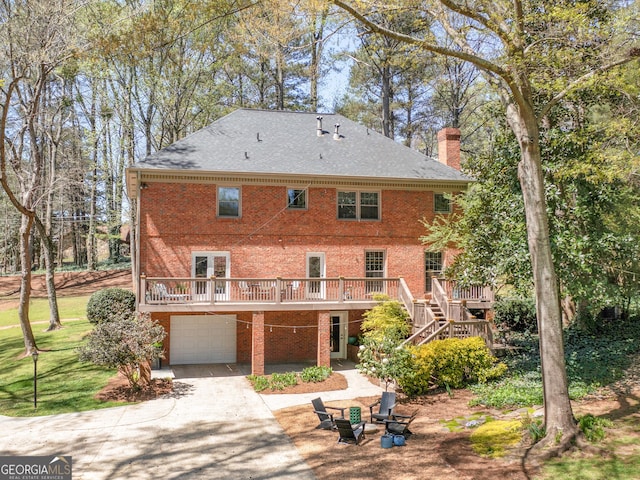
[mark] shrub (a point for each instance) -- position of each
(259, 382)
(516, 315)
(275, 381)
(108, 303)
(450, 363)
(315, 374)
(127, 342)
(534, 428)
(593, 427)
(387, 320)
(385, 327)
(493, 439)
(279, 381)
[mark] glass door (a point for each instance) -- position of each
(338, 337)
(432, 267)
(315, 269)
(207, 265)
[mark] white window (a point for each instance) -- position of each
(228, 201)
(432, 267)
(296, 199)
(442, 203)
(358, 205)
(374, 264)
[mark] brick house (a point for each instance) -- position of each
(263, 237)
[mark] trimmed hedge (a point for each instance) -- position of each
(108, 303)
(450, 363)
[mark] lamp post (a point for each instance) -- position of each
(34, 355)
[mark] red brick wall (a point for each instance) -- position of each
(269, 240)
(449, 147)
(282, 345)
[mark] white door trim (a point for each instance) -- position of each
(201, 289)
(338, 333)
(316, 289)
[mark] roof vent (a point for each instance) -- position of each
(336, 135)
(319, 127)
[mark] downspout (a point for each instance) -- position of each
(137, 240)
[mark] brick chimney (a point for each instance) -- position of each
(449, 147)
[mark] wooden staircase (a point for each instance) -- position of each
(437, 312)
(440, 318)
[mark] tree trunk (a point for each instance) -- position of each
(279, 79)
(91, 234)
(568, 310)
(318, 23)
(25, 284)
(54, 314)
(387, 131)
(558, 416)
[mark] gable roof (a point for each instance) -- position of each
(265, 142)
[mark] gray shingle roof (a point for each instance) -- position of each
(278, 142)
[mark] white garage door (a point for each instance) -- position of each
(203, 339)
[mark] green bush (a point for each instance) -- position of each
(279, 381)
(108, 303)
(127, 342)
(275, 381)
(381, 354)
(259, 382)
(450, 363)
(516, 315)
(315, 374)
(593, 427)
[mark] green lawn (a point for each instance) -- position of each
(622, 464)
(69, 307)
(64, 384)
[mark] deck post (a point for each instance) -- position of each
(142, 300)
(324, 343)
(257, 344)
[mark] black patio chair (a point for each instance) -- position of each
(348, 433)
(327, 421)
(387, 403)
(399, 425)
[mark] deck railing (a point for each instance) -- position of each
(452, 329)
(457, 320)
(216, 290)
(475, 293)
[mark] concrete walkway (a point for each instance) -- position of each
(213, 426)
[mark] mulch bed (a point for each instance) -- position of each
(119, 390)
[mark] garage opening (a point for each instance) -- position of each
(202, 339)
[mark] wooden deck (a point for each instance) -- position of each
(265, 294)
(446, 315)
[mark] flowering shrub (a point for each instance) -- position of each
(384, 329)
(449, 363)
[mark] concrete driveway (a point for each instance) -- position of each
(213, 426)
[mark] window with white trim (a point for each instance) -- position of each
(442, 203)
(228, 201)
(432, 267)
(296, 198)
(358, 205)
(374, 263)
